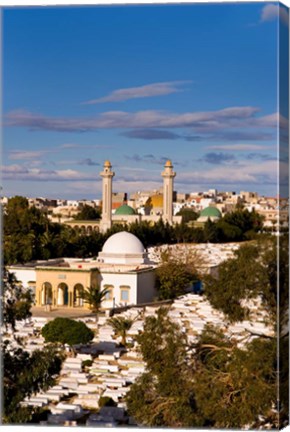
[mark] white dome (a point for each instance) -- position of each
(123, 243)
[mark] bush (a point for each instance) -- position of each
(67, 331)
(87, 363)
(106, 401)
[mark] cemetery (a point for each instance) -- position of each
(104, 370)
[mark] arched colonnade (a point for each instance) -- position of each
(61, 295)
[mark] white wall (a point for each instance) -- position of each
(142, 287)
(118, 279)
(23, 275)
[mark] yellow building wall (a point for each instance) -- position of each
(60, 286)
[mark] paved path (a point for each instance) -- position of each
(61, 312)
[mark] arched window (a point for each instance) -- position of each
(46, 297)
(62, 294)
(77, 300)
(89, 229)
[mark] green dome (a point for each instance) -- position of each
(125, 210)
(210, 212)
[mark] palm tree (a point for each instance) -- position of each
(94, 295)
(121, 326)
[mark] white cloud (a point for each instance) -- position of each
(19, 172)
(239, 147)
(26, 155)
(205, 121)
(271, 12)
(149, 90)
(249, 173)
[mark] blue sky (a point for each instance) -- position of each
(138, 85)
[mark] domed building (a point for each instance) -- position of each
(125, 214)
(123, 248)
(154, 205)
(209, 213)
(125, 210)
(158, 206)
(122, 267)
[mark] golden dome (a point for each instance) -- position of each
(107, 164)
(155, 201)
(168, 163)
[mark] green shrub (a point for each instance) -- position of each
(87, 363)
(67, 331)
(106, 401)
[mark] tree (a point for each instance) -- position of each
(174, 276)
(245, 220)
(94, 296)
(23, 373)
(88, 212)
(162, 396)
(241, 382)
(187, 215)
(16, 302)
(229, 232)
(22, 227)
(121, 326)
(211, 232)
(213, 383)
(250, 274)
(67, 331)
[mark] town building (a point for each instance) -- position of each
(126, 213)
(209, 213)
(122, 267)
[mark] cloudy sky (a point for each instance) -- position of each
(138, 85)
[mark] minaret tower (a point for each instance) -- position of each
(168, 175)
(107, 174)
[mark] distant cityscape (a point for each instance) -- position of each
(145, 215)
(150, 202)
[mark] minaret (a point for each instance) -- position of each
(168, 175)
(107, 174)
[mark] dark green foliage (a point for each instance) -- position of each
(94, 296)
(187, 215)
(242, 383)
(283, 359)
(163, 396)
(29, 235)
(67, 331)
(16, 301)
(121, 326)
(173, 280)
(250, 274)
(106, 401)
(211, 232)
(228, 232)
(25, 374)
(215, 384)
(244, 220)
(174, 276)
(88, 212)
(86, 363)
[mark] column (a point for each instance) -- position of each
(43, 292)
(60, 297)
(168, 175)
(107, 174)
